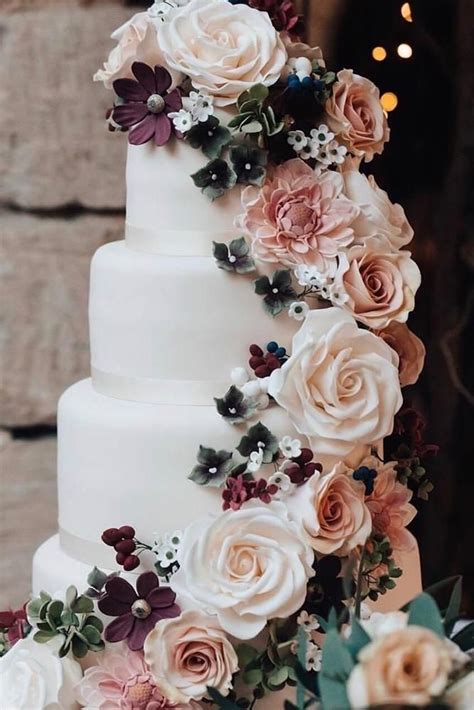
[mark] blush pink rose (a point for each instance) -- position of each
(409, 348)
(137, 41)
(390, 506)
(355, 114)
(297, 217)
(121, 681)
(188, 654)
(332, 512)
(381, 284)
(410, 666)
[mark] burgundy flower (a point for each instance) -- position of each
(264, 492)
(282, 13)
(147, 104)
(409, 433)
(13, 624)
(302, 468)
(138, 611)
(238, 491)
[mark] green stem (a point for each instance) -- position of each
(360, 574)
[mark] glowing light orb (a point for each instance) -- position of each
(406, 12)
(389, 101)
(404, 51)
(379, 54)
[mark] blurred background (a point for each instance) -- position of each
(62, 196)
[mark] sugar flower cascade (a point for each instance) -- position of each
(275, 589)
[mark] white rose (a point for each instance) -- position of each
(137, 41)
(379, 624)
(246, 566)
(33, 677)
(460, 695)
(225, 49)
(340, 386)
(379, 217)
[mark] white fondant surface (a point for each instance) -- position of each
(175, 318)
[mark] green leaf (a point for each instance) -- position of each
(53, 615)
(246, 654)
(465, 638)
(69, 618)
(44, 636)
(65, 648)
(96, 623)
(358, 638)
(46, 626)
(83, 605)
(79, 647)
(220, 701)
(239, 247)
(92, 634)
(71, 596)
(253, 676)
(34, 607)
(423, 611)
(252, 127)
(220, 251)
(97, 579)
(336, 669)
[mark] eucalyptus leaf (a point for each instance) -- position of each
(44, 636)
(79, 647)
(252, 127)
(253, 676)
(97, 579)
(465, 638)
(91, 634)
(83, 605)
(358, 638)
(423, 611)
(337, 666)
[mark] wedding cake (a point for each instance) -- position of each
(240, 454)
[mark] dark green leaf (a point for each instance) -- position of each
(97, 579)
(83, 605)
(221, 701)
(358, 638)
(79, 647)
(220, 251)
(336, 669)
(246, 654)
(465, 638)
(424, 612)
(91, 634)
(253, 676)
(44, 636)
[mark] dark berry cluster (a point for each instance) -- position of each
(367, 476)
(264, 363)
(302, 468)
(124, 542)
(238, 490)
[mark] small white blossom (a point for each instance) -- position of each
(297, 140)
(311, 150)
(332, 154)
(239, 376)
(322, 135)
(161, 9)
(166, 548)
(182, 120)
(255, 461)
(173, 539)
(337, 294)
(166, 555)
(314, 657)
(308, 275)
(200, 106)
(298, 310)
(309, 622)
(290, 448)
(282, 481)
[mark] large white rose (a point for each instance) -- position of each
(379, 217)
(246, 566)
(33, 677)
(461, 693)
(340, 386)
(225, 49)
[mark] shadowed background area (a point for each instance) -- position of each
(62, 196)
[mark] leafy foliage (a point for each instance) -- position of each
(255, 116)
(278, 293)
(234, 407)
(234, 257)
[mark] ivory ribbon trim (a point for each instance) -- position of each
(194, 393)
(169, 242)
(85, 551)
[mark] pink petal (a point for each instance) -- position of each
(163, 129)
(144, 131)
(129, 114)
(145, 76)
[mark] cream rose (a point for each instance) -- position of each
(137, 41)
(381, 284)
(246, 566)
(409, 348)
(340, 386)
(461, 693)
(355, 113)
(188, 654)
(225, 49)
(378, 216)
(332, 512)
(407, 667)
(33, 677)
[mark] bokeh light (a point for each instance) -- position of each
(404, 51)
(379, 54)
(389, 101)
(406, 12)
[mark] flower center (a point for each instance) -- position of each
(297, 216)
(155, 103)
(141, 609)
(140, 694)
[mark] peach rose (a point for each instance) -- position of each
(332, 512)
(355, 114)
(340, 386)
(187, 654)
(390, 506)
(137, 41)
(378, 217)
(381, 284)
(225, 49)
(298, 218)
(409, 348)
(408, 667)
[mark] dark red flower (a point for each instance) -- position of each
(301, 469)
(147, 104)
(282, 13)
(238, 491)
(14, 624)
(409, 432)
(138, 611)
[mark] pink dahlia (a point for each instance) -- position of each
(391, 510)
(121, 681)
(299, 218)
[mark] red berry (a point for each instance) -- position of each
(126, 547)
(256, 350)
(306, 456)
(255, 362)
(120, 558)
(111, 536)
(273, 364)
(127, 532)
(131, 563)
(263, 371)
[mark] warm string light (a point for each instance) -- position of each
(406, 12)
(389, 101)
(379, 54)
(404, 51)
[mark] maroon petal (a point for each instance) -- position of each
(161, 598)
(140, 631)
(121, 591)
(130, 90)
(174, 101)
(163, 129)
(112, 607)
(144, 131)
(7, 618)
(129, 114)
(163, 80)
(146, 583)
(170, 612)
(145, 76)
(119, 629)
